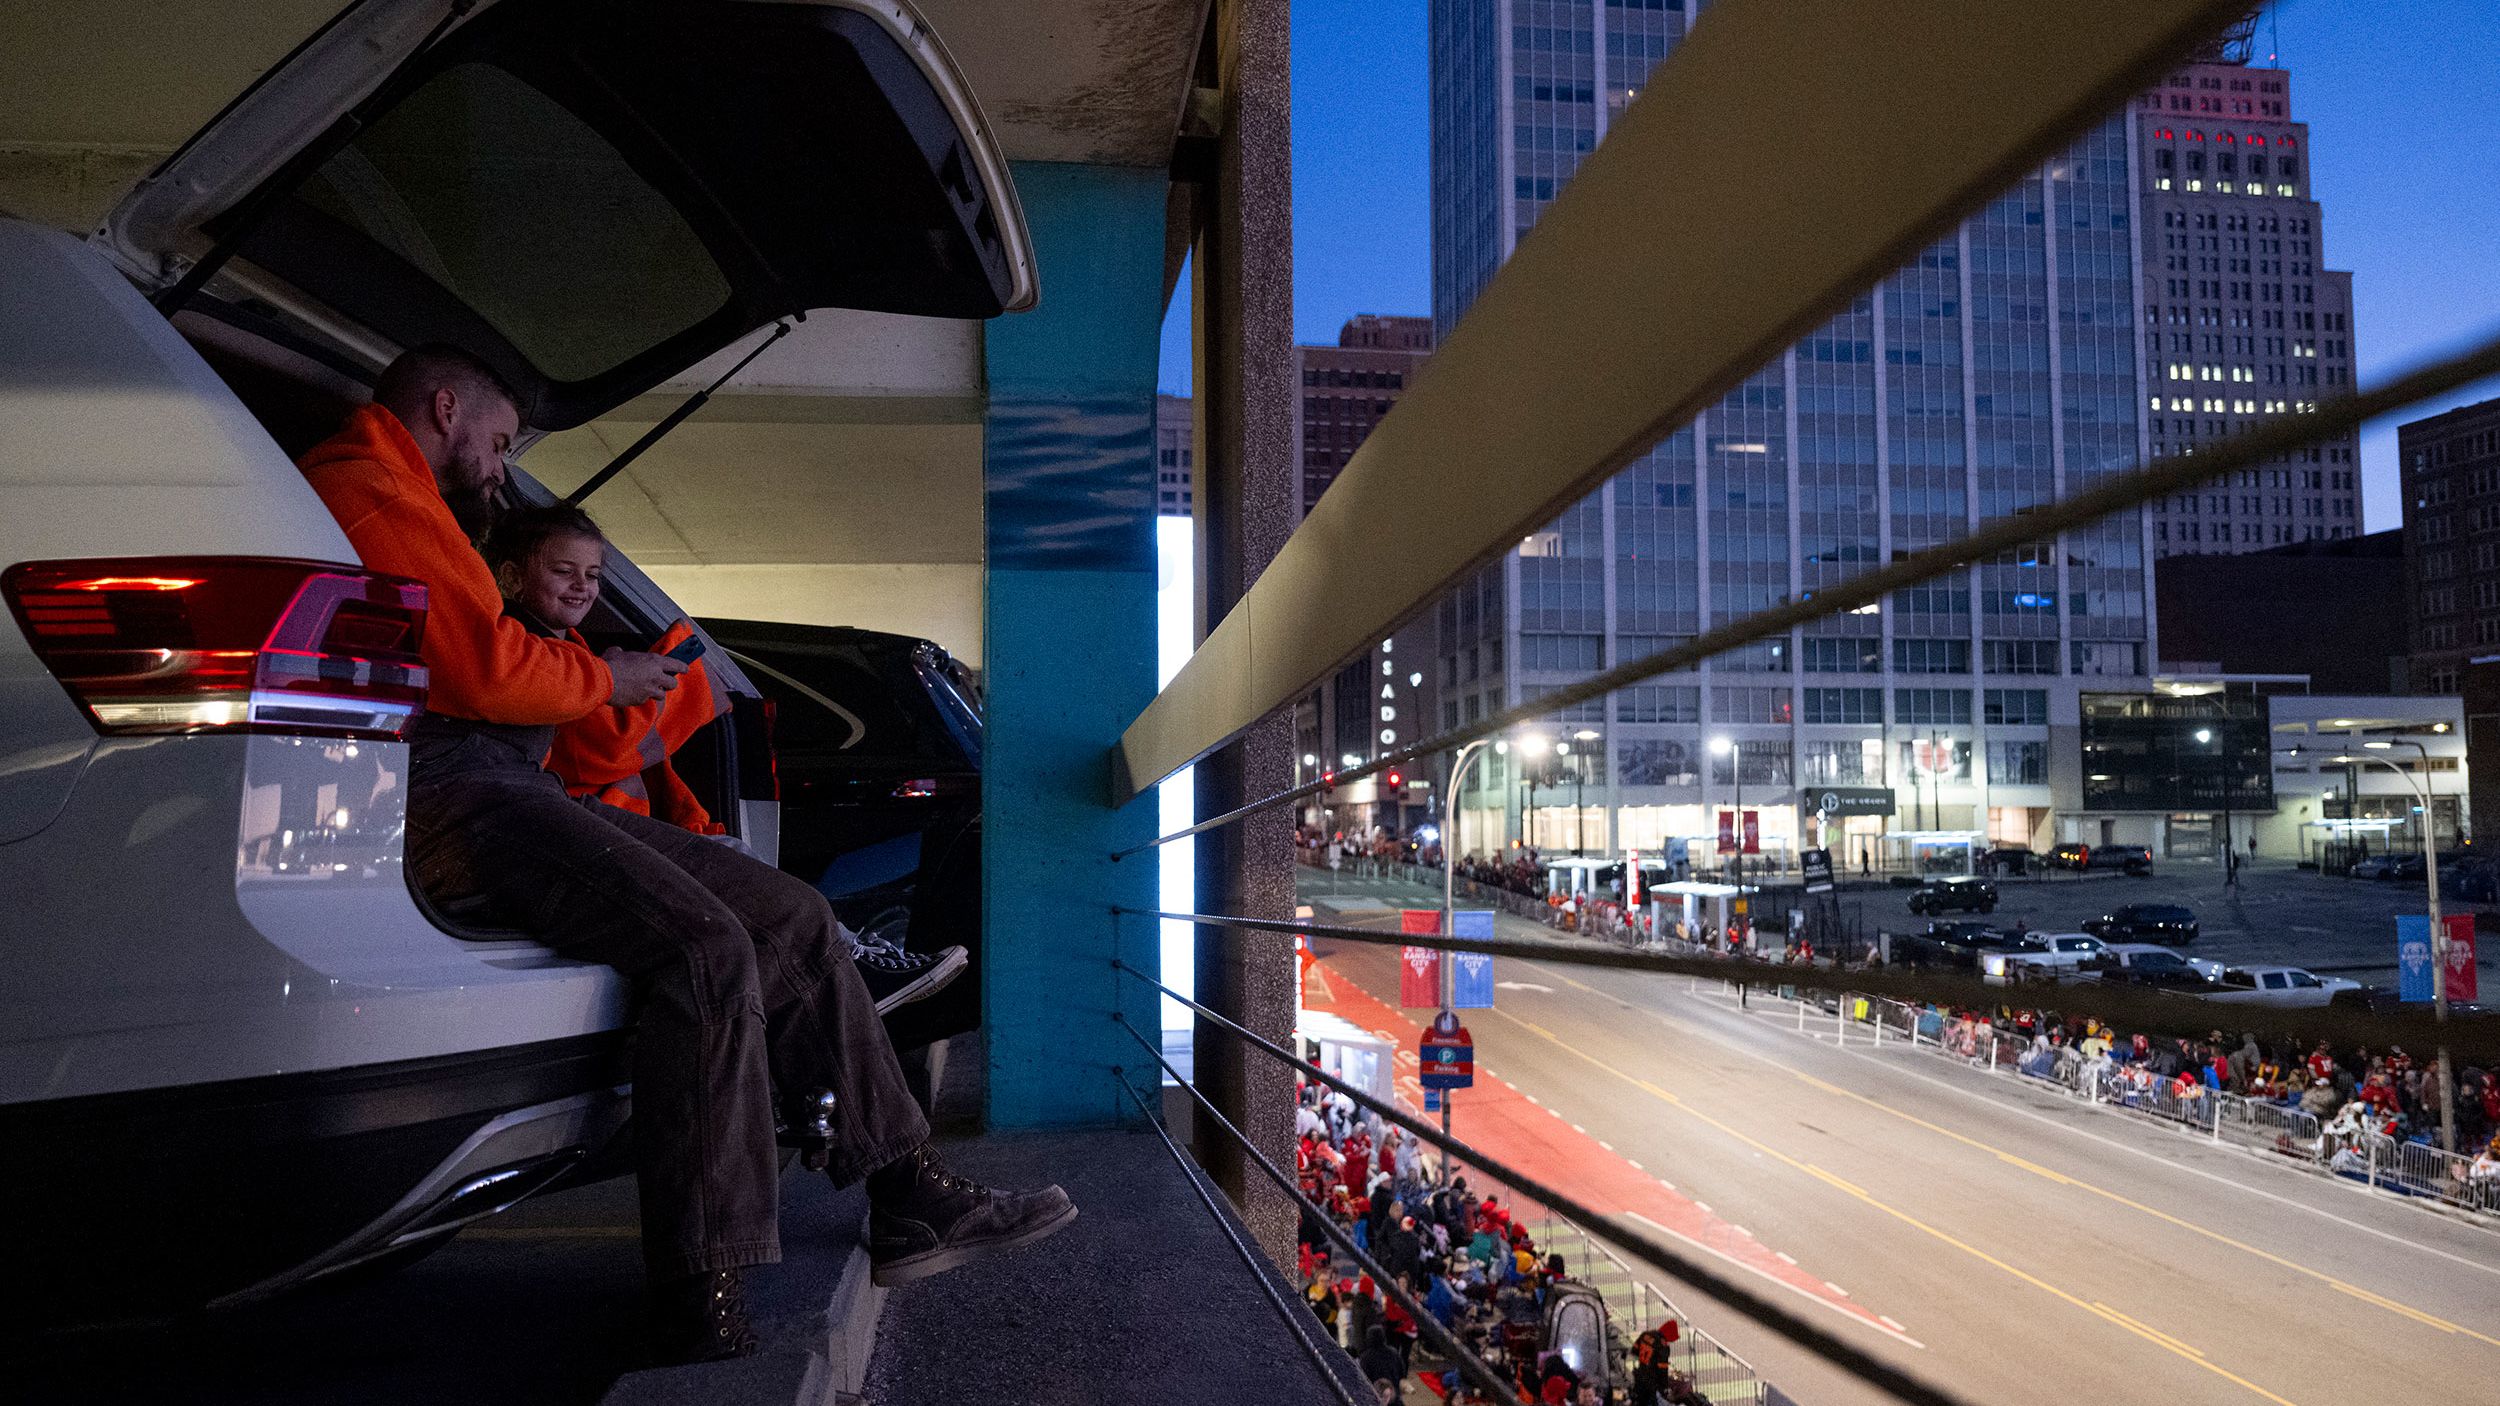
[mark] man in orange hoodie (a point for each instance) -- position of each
(741, 974)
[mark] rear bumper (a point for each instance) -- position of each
(163, 1200)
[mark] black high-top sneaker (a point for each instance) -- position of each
(701, 1318)
(924, 1219)
(898, 978)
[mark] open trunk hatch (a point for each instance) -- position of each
(593, 194)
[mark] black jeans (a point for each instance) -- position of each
(742, 982)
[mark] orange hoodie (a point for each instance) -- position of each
(621, 755)
(485, 666)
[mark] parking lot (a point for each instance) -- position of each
(2277, 913)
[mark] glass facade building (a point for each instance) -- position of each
(1997, 371)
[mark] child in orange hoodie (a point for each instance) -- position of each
(549, 563)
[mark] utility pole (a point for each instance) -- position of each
(2439, 928)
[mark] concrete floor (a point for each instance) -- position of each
(2023, 1246)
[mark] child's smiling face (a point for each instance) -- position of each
(560, 581)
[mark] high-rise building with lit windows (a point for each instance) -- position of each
(2004, 367)
(2243, 322)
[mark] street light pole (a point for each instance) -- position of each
(1449, 906)
(1736, 863)
(2439, 929)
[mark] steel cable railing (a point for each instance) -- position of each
(1297, 1320)
(1475, 1368)
(1639, 1243)
(2141, 484)
(2146, 1007)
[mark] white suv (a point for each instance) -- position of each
(236, 1050)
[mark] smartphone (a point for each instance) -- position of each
(688, 649)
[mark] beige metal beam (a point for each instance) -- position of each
(1791, 154)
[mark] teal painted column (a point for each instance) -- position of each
(1069, 646)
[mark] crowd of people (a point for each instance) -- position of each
(2355, 1095)
(1466, 1259)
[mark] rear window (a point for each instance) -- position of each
(479, 192)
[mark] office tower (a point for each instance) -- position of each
(2242, 320)
(1175, 456)
(1382, 698)
(1999, 370)
(2451, 468)
(1347, 388)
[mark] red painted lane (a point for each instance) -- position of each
(1505, 1124)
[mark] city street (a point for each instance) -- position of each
(2003, 1241)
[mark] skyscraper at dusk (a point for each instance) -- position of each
(2005, 367)
(2243, 322)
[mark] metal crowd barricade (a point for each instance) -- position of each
(2270, 1125)
(1769, 1314)
(1715, 1372)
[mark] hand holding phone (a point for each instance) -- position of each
(688, 649)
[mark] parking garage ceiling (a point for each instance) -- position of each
(857, 442)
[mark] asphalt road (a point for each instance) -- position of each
(2027, 1247)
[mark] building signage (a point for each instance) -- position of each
(1850, 800)
(1817, 864)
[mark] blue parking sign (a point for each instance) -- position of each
(1432, 1100)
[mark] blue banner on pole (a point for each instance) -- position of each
(2413, 958)
(1472, 972)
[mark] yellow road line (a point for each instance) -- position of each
(2117, 1198)
(2159, 1339)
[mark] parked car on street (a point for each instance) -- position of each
(1962, 895)
(2393, 865)
(2280, 986)
(2144, 922)
(2076, 857)
(2150, 964)
(2131, 859)
(242, 1051)
(2049, 955)
(2008, 859)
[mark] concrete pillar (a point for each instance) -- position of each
(1247, 388)
(1069, 479)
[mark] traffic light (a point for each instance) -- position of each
(1396, 782)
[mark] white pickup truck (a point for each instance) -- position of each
(2056, 954)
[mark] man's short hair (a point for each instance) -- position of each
(519, 534)
(415, 373)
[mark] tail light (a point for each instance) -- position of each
(226, 644)
(759, 762)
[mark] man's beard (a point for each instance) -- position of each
(475, 509)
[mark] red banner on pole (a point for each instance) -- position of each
(1419, 968)
(1727, 832)
(2460, 976)
(1753, 832)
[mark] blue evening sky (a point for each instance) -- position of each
(2404, 131)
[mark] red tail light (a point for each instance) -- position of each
(226, 644)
